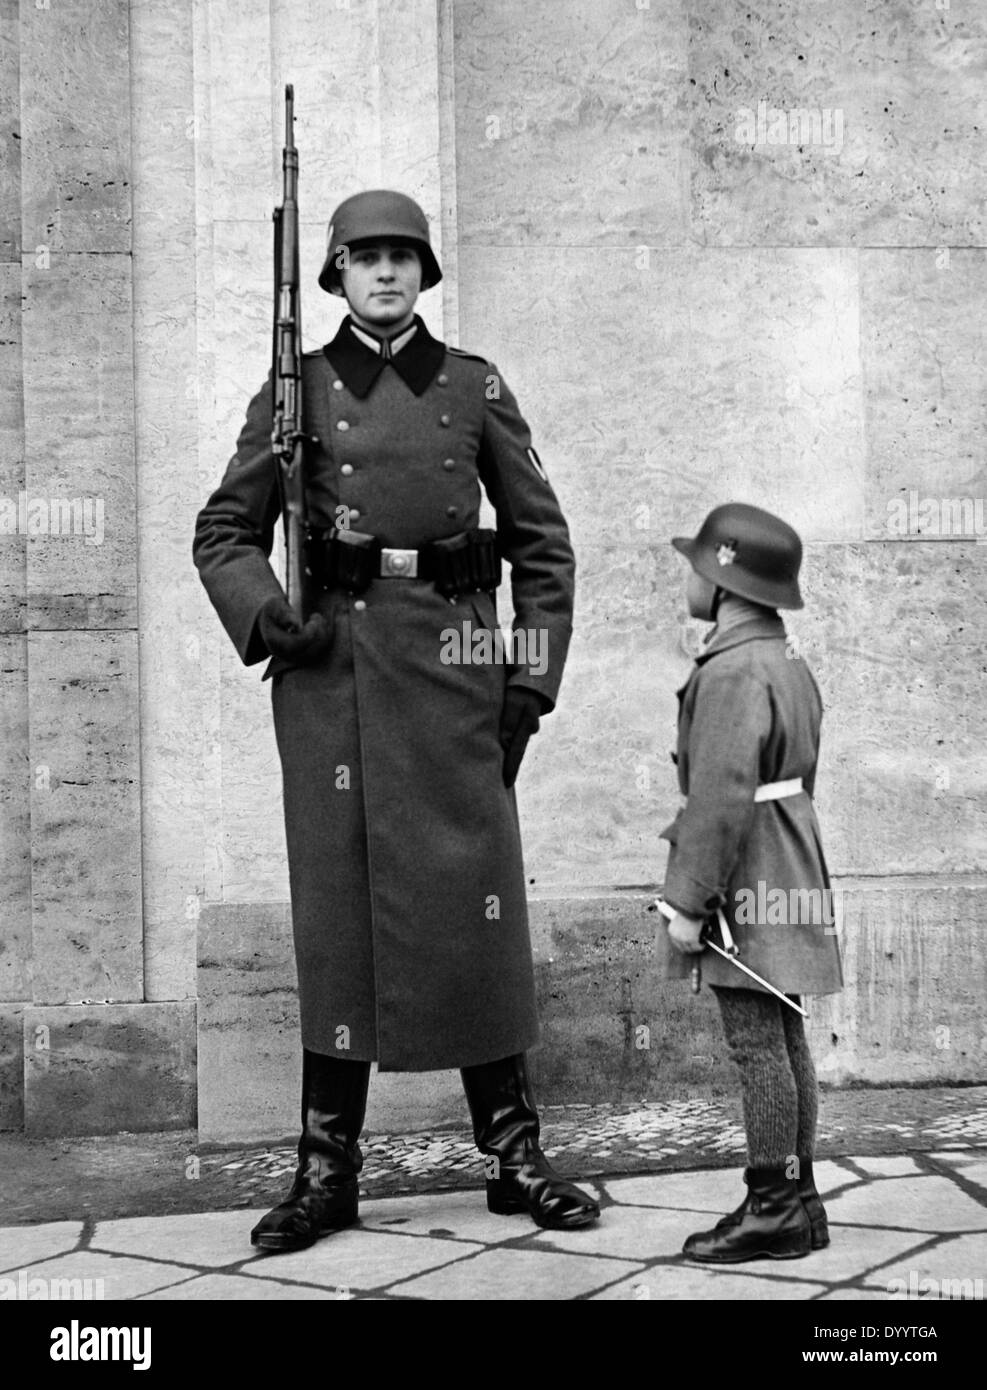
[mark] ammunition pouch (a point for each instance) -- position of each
(465, 564)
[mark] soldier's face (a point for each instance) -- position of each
(382, 283)
(699, 595)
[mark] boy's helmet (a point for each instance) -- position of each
(378, 215)
(748, 552)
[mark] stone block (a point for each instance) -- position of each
(15, 822)
(914, 965)
(890, 635)
(75, 123)
(85, 816)
(170, 385)
(736, 376)
(878, 144)
(10, 135)
(612, 1028)
(79, 427)
(249, 1048)
(250, 1044)
(13, 542)
(101, 1069)
(11, 1066)
(922, 347)
(571, 125)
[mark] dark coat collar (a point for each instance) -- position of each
(756, 629)
(358, 366)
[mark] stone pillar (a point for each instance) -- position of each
(88, 1044)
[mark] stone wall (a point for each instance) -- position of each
(686, 316)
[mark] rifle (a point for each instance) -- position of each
(287, 438)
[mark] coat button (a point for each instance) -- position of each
(346, 470)
(452, 511)
(337, 385)
(445, 419)
(360, 605)
(355, 514)
(442, 379)
(449, 465)
(343, 426)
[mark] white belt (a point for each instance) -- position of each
(776, 791)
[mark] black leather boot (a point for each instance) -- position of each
(770, 1224)
(325, 1192)
(814, 1209)
(506, 1127)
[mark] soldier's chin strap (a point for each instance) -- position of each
(718, 597)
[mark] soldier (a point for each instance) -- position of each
(398, 760)
(748, 743)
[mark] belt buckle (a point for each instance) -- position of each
(398, 564)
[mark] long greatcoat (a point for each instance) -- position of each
(749, 715)
(407, 883)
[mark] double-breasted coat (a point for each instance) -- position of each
(407, 881)
(750, 715)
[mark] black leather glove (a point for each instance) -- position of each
(518, 721)
(285, 636)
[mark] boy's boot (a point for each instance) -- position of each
(770, 1224)
(812, 1202)
(325, 1192)
(506, 1127)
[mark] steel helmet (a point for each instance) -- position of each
(748, 552)
(378, 215)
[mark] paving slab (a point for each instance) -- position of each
(960, 1258)
(233, 1287)
(214, 1239)
(918, 1204)
(23, 1245)
(630, 1233)
(895, 1166)
(361, 1259)
(111, 1276)
(688, 1282)
(517, 1274)
(459, 1215)
(971, 1166)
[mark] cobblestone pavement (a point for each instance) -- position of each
(904, 1174)
(902, 1226)
(590, 1140)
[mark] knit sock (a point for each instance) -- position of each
(755, 1037)
(800, 1059)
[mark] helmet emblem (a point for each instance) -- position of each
(726, 554)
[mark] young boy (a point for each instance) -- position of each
(748, 742)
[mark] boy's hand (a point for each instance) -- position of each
(684, 933)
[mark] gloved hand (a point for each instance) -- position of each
(519, 719)
(684, 933)
(285, 636)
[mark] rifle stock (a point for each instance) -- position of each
(287, 436)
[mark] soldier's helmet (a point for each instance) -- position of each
(748, 552)
(378, 215)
